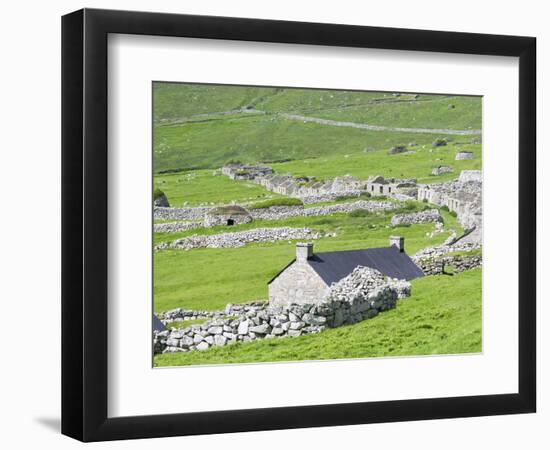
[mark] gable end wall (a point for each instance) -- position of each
(298, 284)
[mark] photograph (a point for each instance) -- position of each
(304, 224)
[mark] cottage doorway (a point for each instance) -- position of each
(230, 222)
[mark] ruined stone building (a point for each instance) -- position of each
(378, 185)
(463, 196)
(239, 171)
(308, 277)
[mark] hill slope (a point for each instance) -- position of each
(204, 126)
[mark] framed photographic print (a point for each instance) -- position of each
(273, 224)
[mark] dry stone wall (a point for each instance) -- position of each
(241, 238)
(175, 227)
(196, 216)
(187, 213)
(361, 295)
(459, 263)
(431, 215)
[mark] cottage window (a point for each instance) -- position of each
(230, 222)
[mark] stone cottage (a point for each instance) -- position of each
(308, 277)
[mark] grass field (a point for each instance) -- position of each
(210, 278)
(209, 139)
(251, 139)
(455, 113)
(443, 316)
(405, 165)
(199, 128)
(202, 187)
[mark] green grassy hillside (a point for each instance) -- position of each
(177, 100)
(190, 132)
(202, 187)
(416, 164)
(210, 278)
(443, 316)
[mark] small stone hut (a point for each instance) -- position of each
(227, 215)
(308, 277)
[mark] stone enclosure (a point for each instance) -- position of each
(361, 295)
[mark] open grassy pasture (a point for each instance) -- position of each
(198, 126)
(202, 187)
(454, 113)
(197, 187)
(251, 139)
(210, 278)
(443, 316)
(178, 100)
(405, 165)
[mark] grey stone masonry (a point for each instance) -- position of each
(241, 238)
(175, 227)
(459, 263)
(188, 213)
(431, 215)
(464, 155)
(199, 217)
(462, 197)
(361, 295)
(441, 170)
(470, 175)
(161, 201)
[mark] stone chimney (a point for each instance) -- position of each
(399, 242)
(303, 251)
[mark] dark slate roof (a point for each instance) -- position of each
(334, 266)
(157, 324)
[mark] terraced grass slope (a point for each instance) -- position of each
(443, 316)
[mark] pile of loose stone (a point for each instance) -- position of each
(431, 215)
(361, 295)
(241, 238)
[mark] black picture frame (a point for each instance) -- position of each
(84, 224)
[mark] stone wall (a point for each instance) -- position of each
(440, 170)
(462, 197)
(459, 263)
(470, 175)
(241, 238)
(431, 215)
(361, 295)
(175, 227)
(464, 155)
(189, 213)
(212, 220)
(285, 212)
(199, 216)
